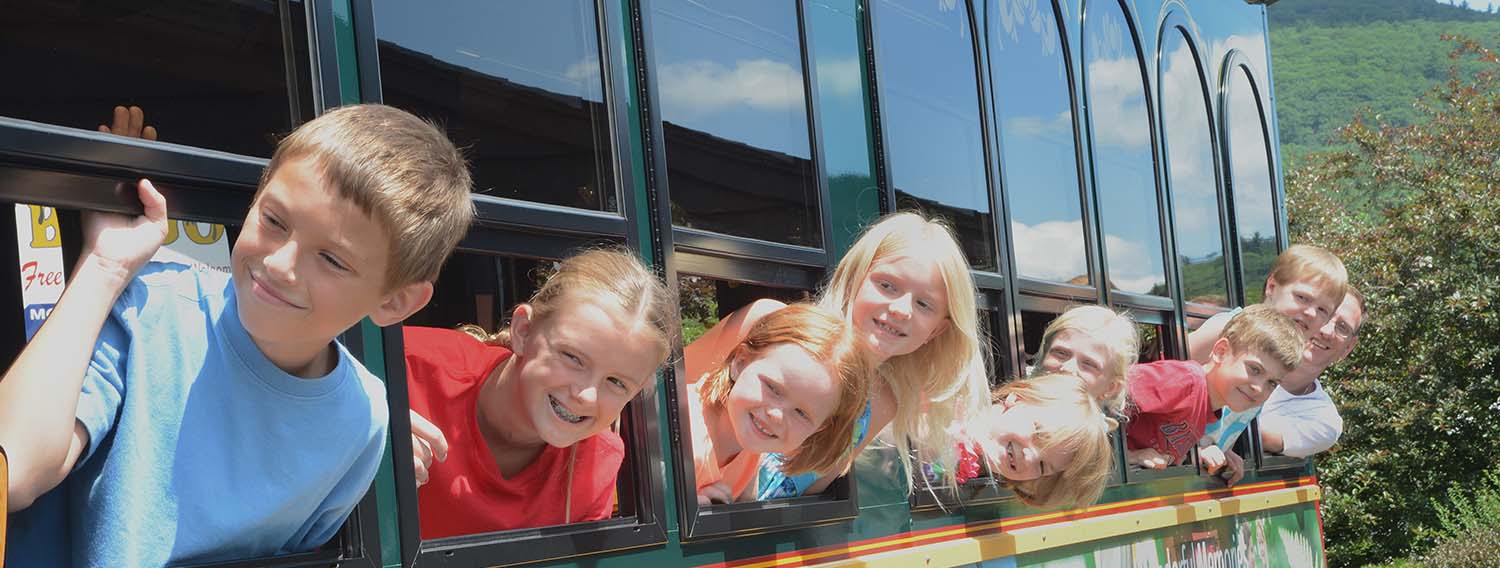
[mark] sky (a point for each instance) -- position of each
(1475, 4)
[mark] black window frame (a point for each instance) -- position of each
(1235, 61)
(521, 228)
(1178, 21)
(729, 257)
(202, 185)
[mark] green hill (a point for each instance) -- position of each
(1333, 58)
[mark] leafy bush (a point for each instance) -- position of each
(1414, 211)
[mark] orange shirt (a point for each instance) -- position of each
(737, 474)
(466, 494)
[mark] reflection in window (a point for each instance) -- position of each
(833, 35)
(451, 382)
(1250, 170)
(734, 119)
(208, 74)
(1124, 175)
(521, 89)
(704, 301)
(929, 99)
(1190, 171)
(1033, 325)
(1036, 128)
(1153, 342)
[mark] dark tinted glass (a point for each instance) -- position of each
(518, 85)
(733, 101)
(929, 100)
(1250, 172)
(834, 35)
(223, 75)
(1190, 174)
(1040, 155)
(1124, 175)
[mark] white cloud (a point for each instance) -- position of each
(1060, 124)
(699, 87)
(585, 72)
(1190, 148)
(1118, 102)
(1131, 269)
(840, 78)
(1053, 250)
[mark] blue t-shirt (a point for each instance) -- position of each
(200, 447)
(773, 483)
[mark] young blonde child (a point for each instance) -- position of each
(1047, 440)
(527, 410)
(904, 288)
(794, 385)
(1095, 344)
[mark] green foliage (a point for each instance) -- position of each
(698, 306)
(1414, 211)
(1469, 525)
(1352, 12)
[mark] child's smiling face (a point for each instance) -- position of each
(901, 304)
(1079, 354)
(1241, 379)
(780, 396)
(1016, 442)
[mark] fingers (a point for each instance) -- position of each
(120, 124)
(431, 435)
(155, 205)
(136, 120)
(421, 459)
(149, 133)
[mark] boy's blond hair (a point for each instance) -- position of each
(945, 379)
(1314, 265)
(400, 170)
(1078, 427)
(1115, 330)
(1261, 329)
(611, 278)
(830, 341)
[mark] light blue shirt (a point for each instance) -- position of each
(200, 447)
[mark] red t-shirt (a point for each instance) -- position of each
(466, 494)
(1169, 407)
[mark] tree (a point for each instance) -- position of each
(1414, 212)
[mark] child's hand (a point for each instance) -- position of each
(715, 493)
(130, 123)
(1148, 458)
(1211, 457)
(1234, 469)
(122, 244)
(427, 443)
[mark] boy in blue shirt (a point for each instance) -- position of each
(180, 415)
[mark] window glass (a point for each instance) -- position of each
(1190, 174)
(930, 112)
(834, 35)
(1033, 324)
(1250, 170)
(734, 119)
(223, 75)
(1037, 143)
(481, 487)
(519, 87)
(1153, 342)
(1124, 175)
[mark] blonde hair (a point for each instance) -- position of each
(1117, 331)
(1261, 329)
(826, 336)
(1314, 265)
(400, 170)
(611, 278)
(1077, 427)
(945, 379)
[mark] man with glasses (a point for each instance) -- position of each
(1299, 419)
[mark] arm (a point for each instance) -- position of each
(1299, 438)
(1201, 340)
(710, 349)
(39, 393)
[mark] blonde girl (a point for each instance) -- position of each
(527, 411)
(905, 290)
(794, 384)
(1047, 440)
(1097, 345)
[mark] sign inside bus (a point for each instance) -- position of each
(39, 251)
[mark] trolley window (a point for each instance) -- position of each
(1192, 173)
(1253, 181)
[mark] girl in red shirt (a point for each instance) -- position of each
(527, 411)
